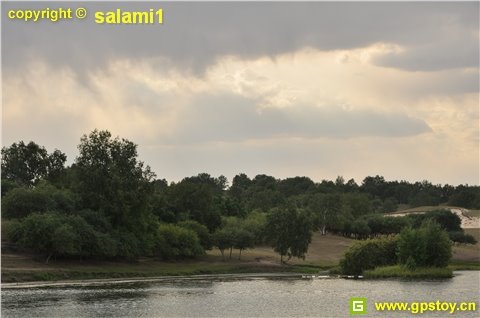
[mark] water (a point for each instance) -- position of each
(240, 297)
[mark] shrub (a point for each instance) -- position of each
(369, 254)
(176, 242)
(462, 237)
(201, 231)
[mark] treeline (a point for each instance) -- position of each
(108, 204)
(377, 225)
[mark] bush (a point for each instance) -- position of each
(427, 246)
(369, 254)
(201, 231)
(462, 237)
(175, 242)
(47, 234)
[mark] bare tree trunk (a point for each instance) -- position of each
(324, 222)
(48, 258)
(231, 248)
(223, 254)
(240, 255)
(281, 259)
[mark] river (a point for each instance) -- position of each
(236, 296)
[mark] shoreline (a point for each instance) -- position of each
(104, 281)
(172, 279)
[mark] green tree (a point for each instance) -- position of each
(326, 209)
(223, 239)
(243, 239)
(26, 164)
(428, 245)
(289, 231)
(21, 202)
(54, 234)
(195, 201)
(111, 179)
(360, 229)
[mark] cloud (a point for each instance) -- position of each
(314, 88)
(227, 118)
(194, 35)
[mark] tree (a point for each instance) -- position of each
(54, 234)
(358, 204)
(194, 201)
(243, 239)
(289, 232)
(360, 229)
(26, 164)
(223, 239)
(111, 179)
(296, 186)
(240, 185)
(428, 245)
(326, 209)
(467, 197)
(20, 202)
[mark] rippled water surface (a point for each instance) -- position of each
(244, 297)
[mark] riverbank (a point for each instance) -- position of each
(150, 268)
(399, 271)
(110, 281)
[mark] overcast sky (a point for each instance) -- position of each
(316, 89)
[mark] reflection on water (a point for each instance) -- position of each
(235, 298)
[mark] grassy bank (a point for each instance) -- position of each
(398, 271)
(458, 265)
(133, 271)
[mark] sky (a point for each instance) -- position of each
(317, 89)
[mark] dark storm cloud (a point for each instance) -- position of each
(195, 34)
(233, 118)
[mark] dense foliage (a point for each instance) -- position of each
(428, 245)
(109, 204)
(369, 254)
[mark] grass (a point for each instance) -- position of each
(399, 271)
(459, 265)
(420, 209)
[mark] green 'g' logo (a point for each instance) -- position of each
(358, 306)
